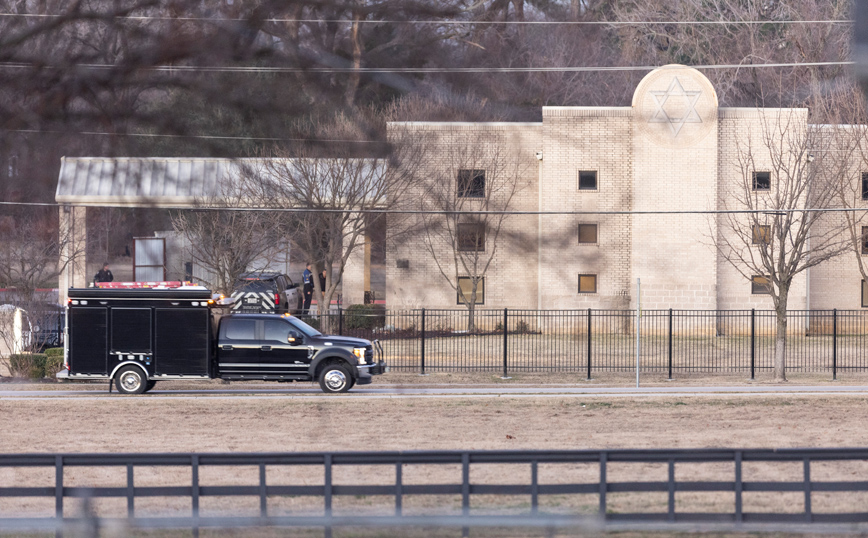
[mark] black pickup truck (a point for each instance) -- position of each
(136, 337)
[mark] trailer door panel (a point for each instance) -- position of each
(181, 341)
(88, 340)
(131, 330)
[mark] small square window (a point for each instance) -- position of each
(865, 185)
(465, 287)
(587, 180)
(471, 237)
(760, 285)
(762, 234)
(587, 283)
(587, 234)
(864, 239)
(864, 294)
(762, 181)
(471, 183)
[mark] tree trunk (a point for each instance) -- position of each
(781, 337)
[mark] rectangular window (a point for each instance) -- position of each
(587, 180)
(471, 237)
(864, 239)
(865, 185)
(471, 183)
(864, 294)
(587, 234)
(760, 285)
(762, 234)
(587, 283)
(465, 286)
(762, 181)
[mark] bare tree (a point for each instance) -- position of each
(29, 253)
(464, 208)
(226, 243)
(331, 194)
(784, 177)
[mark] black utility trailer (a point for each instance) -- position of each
(137, 336)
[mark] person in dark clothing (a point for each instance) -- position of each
(307, 280)
(322, 284)
(104, 275)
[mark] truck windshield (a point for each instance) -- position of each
(304, 327)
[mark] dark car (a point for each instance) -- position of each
(266, 293)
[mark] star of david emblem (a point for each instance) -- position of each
(682, 107)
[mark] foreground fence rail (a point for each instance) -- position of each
(470, 488)
(587, 341)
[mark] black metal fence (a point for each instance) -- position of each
(589, 341)
(456, 488)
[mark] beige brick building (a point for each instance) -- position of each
(604, 196)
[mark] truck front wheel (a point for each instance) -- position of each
(131, 380)
(335, 378)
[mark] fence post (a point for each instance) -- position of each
(340, 320)
(423, 343)
(835, 344)
(752, 342)
(505, 342)
(194, 463)
(670, 344)
(58, 496)
(589, 344)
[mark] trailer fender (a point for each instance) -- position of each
(125, 363)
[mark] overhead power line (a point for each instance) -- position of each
(91, 16)
(770, 211)
(201, 137)
(363, 70)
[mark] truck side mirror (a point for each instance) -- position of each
(294, 340)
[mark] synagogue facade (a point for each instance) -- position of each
(599, 198)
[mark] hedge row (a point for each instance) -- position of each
(36, 365)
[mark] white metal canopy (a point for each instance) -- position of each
(167, 182)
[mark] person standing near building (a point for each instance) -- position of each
(104, 275)
(307, 280)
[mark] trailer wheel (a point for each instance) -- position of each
(131, 380)
(335, 378)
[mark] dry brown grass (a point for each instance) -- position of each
(217, 424)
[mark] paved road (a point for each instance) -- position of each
(308, 391)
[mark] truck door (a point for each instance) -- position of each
(278, 353)
(238, 348)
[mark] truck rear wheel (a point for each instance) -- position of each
(335, 378)
(131, 380)
(151, 384)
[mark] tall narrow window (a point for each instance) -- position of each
(587, 180)
(864, 239)
(760, 285)
(587, 283)
(471, 183)
(762, 234)
(465, 286)
(864, 294)
(865, 185)
(762, 181)
(471, 236)
(587, 234)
